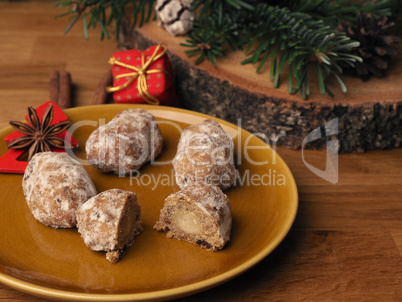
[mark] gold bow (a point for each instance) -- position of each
(140, 73)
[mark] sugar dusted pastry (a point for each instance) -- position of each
(54, 186)
(109, 222)
(204, 153)
(131, 139)
(199, 214)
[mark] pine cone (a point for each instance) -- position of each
(375, 44)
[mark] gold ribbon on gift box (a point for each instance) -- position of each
(140, 73)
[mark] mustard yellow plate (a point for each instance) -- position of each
(56, 264)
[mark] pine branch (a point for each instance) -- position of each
(332, 12)
(104, 12)
(221, 6)
(212, 35)
(278, 35)
(300, 41)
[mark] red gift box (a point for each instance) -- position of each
(143, 77)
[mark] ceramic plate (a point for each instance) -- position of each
(56, 264)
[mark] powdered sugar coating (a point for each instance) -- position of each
(54, 186)
(212, 202)
(110, 220)
(204, 154)
(131, 139)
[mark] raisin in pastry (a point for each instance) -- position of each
(131, 139)
(199, 214)
(54, 186)
(204, 154)
(109, 222)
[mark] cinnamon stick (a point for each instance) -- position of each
(54, 86)
(101, 96)
(64, 100)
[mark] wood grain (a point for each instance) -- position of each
(33, 45)
(346, 242)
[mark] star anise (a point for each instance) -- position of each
(39, 136)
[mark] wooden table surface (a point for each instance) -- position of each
(346, 242)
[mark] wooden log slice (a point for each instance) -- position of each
(369, 114)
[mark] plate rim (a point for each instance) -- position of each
(171, 293)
